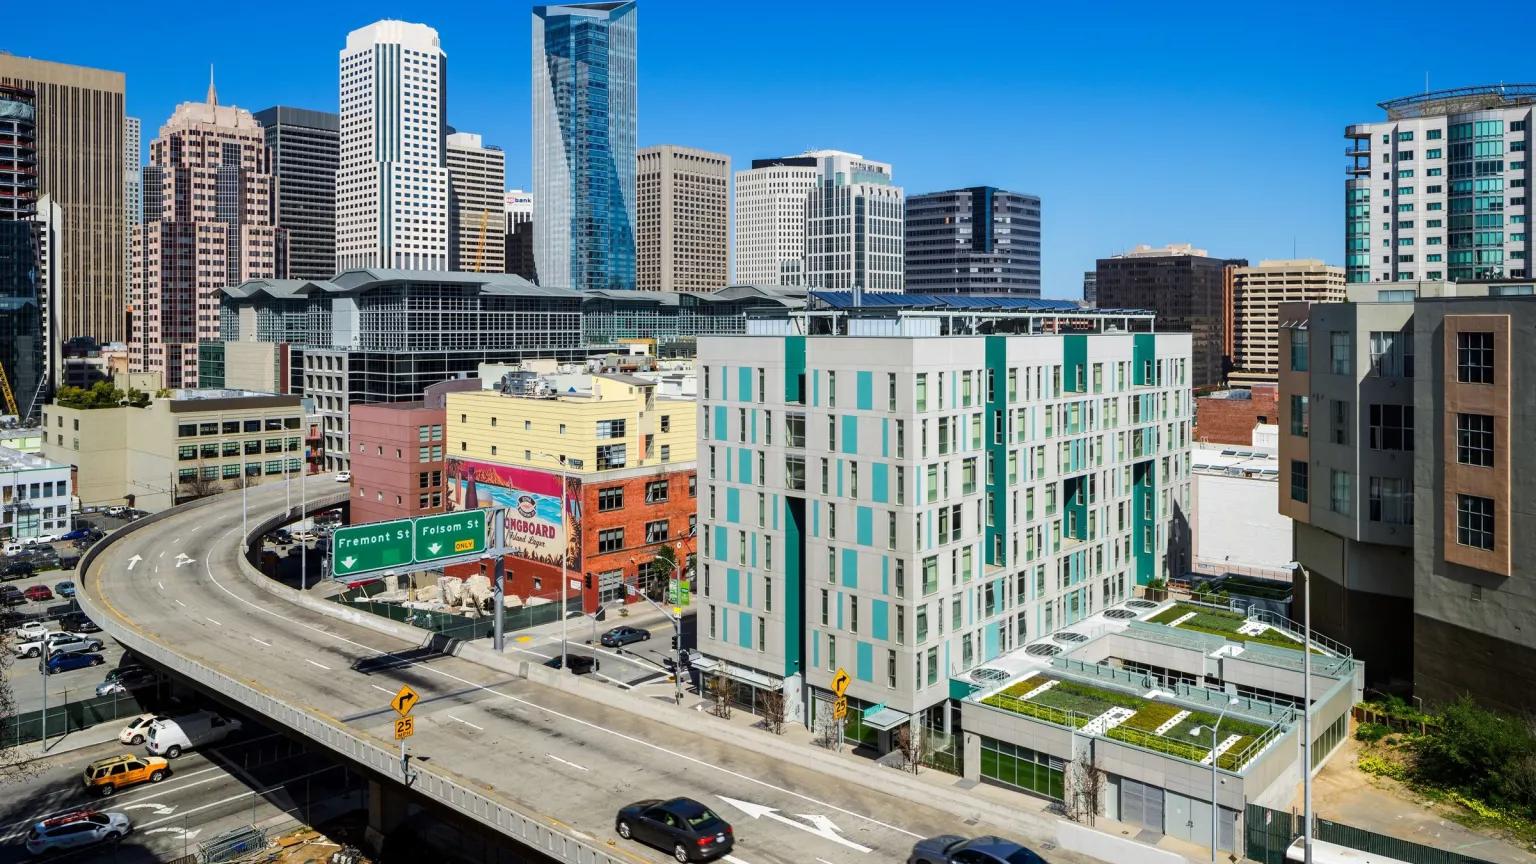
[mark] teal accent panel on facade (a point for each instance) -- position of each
(753, 559)
(744, 636)
(794, 599)
(1143, 357)
(959, 689)
(1074, 362)
(816, 650)
(1144, 510)
(864, 398)
(733, 506)
(721, 552)
(733, 585)
(838, 599)
(744, 384)
(815, 389)
(794, 370)
(815, 518)
(865, 524)
(864, 668)
(752, 426)
(744, 473)
(725, 625)
(885, 439)
(837, 466)
(994, 552)
(880, 482)
(880, 619)
(721, 432)
(775, 507)
(750, 581)
(850, 433)
(850, 568)
(989, 641)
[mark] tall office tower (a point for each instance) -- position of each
(211, 226)
(682, 198)
(1189, 291)
(584, 145)
(1257, 293)
(770, 220)
(1090, 288)
(854, 226)
(861, 498)
(981, 240)
(304, 150)
(1441, 188)
(133, 179)
(80, 166)
(22, 330)
(392, 187)
(1405, 494)
(477, 209)
(519, 237)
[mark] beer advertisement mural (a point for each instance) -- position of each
(533, 526)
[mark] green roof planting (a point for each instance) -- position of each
(1227, 624)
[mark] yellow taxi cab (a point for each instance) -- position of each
(105, 776)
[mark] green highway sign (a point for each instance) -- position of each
(375, 546)
(448, 535)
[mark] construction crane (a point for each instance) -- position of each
(485, 216)
(10, 398)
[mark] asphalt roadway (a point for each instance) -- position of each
(544, 751)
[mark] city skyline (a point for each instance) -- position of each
(1168, 188)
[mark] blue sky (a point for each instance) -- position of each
(1218, 124)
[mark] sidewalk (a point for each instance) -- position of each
(79, 739)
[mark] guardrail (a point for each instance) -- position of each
(384, 761)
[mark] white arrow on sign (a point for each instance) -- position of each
(434, 548)
(348, 561)
(160, 809)
(181, 833)
(134, 560)
(820, 825)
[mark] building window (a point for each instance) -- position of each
(1474, 358)
(1300, 341)
(1339, 492)
(656, 492)
(1474, 440)
(656, 532)
(1391, 427)
(1301, 419)
(610, 429)
(1299, 480)
(1340, 422)
(1391, 354)
(1391, 501)
(1339, 351)
(611, 456)
(666, 422)
(1474, 521)
(610, 540)
(666, 452)
(609, 499)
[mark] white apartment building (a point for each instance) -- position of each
(855, 226)
(681, 196)
(770, 220)
(133, 178)
(477, 211)
(1440, 189)
(910, 503)
(392, 189)
(34, 496)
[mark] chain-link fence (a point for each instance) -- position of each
(446, 623)
(1270, 832)
(86, 710)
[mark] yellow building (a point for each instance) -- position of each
(597, 422)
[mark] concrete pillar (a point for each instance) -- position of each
(386, 810)
(972, 744)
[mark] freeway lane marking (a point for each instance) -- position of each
(385, 689)
(185, 813)
(161, 584)
(134, 560)
(162, 553)
(471, 725)
(181, 604)
(313, 663)
(213, 622)
(819, 825)
(563, 762)
(258, 641)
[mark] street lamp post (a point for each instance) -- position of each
(1215, 808)
(677, 632)
(1306, 708)
(565, 538)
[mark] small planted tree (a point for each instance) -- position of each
(1088, 780)
(719, 689)
(772, 703)
(908, 743)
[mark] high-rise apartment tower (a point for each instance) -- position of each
(477, 210)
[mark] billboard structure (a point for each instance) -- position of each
(533, 526)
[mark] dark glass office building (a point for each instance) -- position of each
(981, 240)
(22, 342)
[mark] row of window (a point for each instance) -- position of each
(1392, 354)
(236, 427)
(1390, 501)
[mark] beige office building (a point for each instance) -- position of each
(477, 210)
(1257, 293)
(681, 197)
(80, 167)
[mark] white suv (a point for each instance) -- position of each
(75, 829)
(62, 642)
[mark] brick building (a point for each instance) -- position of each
(398, 460)
(1228, 416)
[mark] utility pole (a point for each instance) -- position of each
(304, 545)
(44, 669)
(499, 576)
(1306, 716)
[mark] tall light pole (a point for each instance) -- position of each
(1306, 708)
(565, 539)
(1215, 808)
(304, 546)
(677, 632)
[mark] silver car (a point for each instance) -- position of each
(75, 829)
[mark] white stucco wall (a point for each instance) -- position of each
(1237, 521)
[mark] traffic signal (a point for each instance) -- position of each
(674, 642)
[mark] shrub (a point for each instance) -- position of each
(1483, 755)
(1370, 732)
(1370, 763)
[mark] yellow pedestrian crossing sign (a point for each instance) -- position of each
(840, 681)
(404, 701)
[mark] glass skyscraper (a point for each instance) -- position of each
(584, 145)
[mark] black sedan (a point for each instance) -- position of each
(618, 637)
(688, 829)
(950, 849)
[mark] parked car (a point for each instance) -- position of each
(118, 511)
(65, 588)
(69, 662)
(38, 593)
(281, 536)
(30, 630)
(952, 849)
(59, 642)
(106, 776)
(682, 826)
(343, 476)
(172, 736)
(618, 637)
(18, 570)
(304, 536)
(580, 664)
(125, 678)
(77, 534)
(76, 829)
(77, 622)
(69, 562)
(137, 730)
(10, 595)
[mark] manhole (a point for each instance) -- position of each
(1141, 604)
(1119, 614)
(988, 675)
(1042, 650)
(1066, 636)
